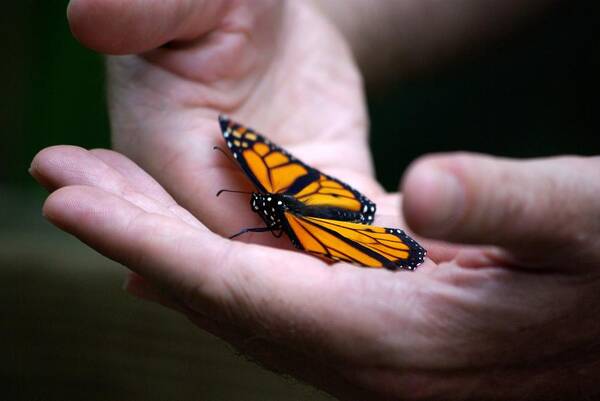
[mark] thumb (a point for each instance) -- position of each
(125, 26)
(524, 206)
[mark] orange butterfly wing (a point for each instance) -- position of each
(361, 244)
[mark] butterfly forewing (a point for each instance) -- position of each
(274, 170)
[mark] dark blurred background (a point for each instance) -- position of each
(68, 331)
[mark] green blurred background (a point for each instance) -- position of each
(70, 332)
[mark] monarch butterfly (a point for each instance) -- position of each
(320, 214)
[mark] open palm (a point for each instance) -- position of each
(278, 67)
(282, 69)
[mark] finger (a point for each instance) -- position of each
(137, 178)
(59, 166)
(264, 289)
(520, 205)
(62, 165)
(139, 287)
(124, 27)
(165, 251)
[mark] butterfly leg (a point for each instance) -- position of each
(277, 234)
(252, 230)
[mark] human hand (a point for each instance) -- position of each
(336, 327)
(512, 321)
(277, 66)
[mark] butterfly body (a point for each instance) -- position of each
(320, 214)
(270, 207)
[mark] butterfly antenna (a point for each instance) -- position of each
(232, 191)
(227, 155)
(252, 230)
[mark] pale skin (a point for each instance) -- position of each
(511, 315)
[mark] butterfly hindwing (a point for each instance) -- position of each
(274, 170)
(361, 244)
(332, 193)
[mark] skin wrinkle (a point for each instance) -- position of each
(469, 303)
(245, 279)
(517, 203)
(134, 70)
(304, 330)
(143, 226)
(566, 237)
(387, 333)
(217, 45)
(185, 93)
(219, 297)
(69, 169)
(140, 180)
(89, 214)
(135, 197)
(238, 21)
(278, 77)
(192, 24)
(555, 310)
(184, 215)
(432, 324)
(260, 77)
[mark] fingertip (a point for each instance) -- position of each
(106, 26)
(59, 206)
(48, 156)
(83, 16)
(84, 210)
(433, 197)
(49, 160)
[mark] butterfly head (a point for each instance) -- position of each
(269, 207)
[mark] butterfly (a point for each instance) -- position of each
(320, 214)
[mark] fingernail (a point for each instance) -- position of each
(446, 203)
